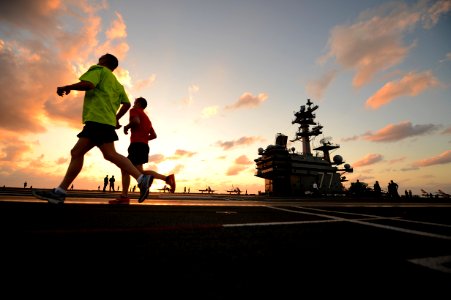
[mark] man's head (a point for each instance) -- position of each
(141, 102)
(108, 60)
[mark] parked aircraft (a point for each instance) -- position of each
(234, 191)
(443, 194)
(208, 190)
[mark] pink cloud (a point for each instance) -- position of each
(369, 159)
(243, 160)
(235, 170)
(156, 158)
(411, 84)
(247, 100)
(374, 42)
(442, 158)
(246, 140)
(396, 132)
(180, 153)
(12, 148)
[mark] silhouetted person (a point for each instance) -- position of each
(393, 190)
(377, 189)
(357, 188)
(25, 184)
(105, 183)
(112, 180)
(142, 132)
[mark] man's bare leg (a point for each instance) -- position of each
(78, 152)
(109, 152)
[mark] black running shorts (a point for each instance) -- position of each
(138, 153)
(99, 133)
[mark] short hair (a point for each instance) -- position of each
(142, 102)
(111, 61)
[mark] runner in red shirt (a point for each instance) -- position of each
(138, 152)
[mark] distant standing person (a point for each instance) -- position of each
(377, 189)
(25, 184)
(112, 180)
(104, 104)
(393, 189)
(142, 132)
(105, 182)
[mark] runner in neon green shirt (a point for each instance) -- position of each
(101, 103)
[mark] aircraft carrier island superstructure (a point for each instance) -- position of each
(289, 173)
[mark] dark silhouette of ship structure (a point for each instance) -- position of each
(288, 173)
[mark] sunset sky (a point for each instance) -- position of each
(222, 78)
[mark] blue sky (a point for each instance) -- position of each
(224, 77)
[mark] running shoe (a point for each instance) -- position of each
(52, 196)
(144, 186)
(120, 200)
(171, 181)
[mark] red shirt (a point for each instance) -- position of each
(140, 134)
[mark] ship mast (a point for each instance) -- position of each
(305, 118)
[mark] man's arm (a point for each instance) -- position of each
(124, 108)
(79, 86)
(152, 134)
(134, 122)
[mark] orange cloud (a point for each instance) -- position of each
(411, 84)
(373, 43)
(36, 66)
(243, 160)
(246, 140)
(241, 164)
(156, 158)
(247, 100)
(396, 132)
(118, 29)
(235, 170)
(442, 158)
(369, 159)
(12, 148)
(115, 42)
(179, 153)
